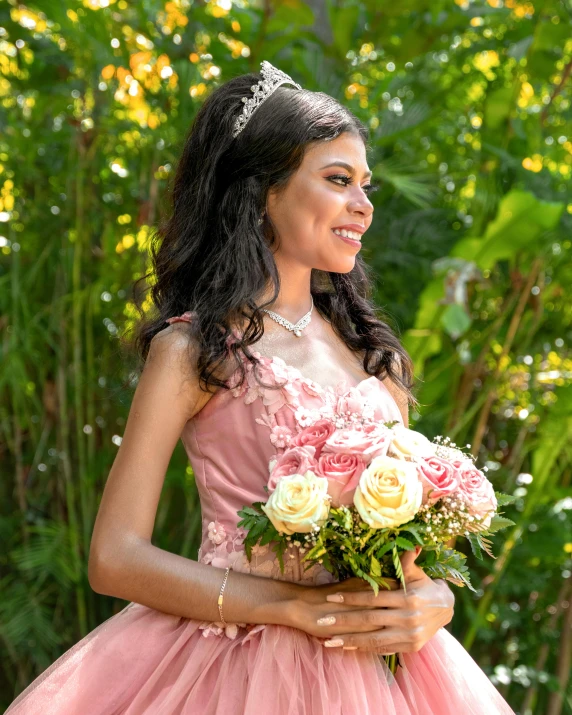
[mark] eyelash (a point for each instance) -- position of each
(368, 188)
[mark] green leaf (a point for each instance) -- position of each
(252, 510)
(258, 529)
(398, 567)
(343, 22)
(404, 543)
(521, 220)
(475, 547)
(279, 548)
(504, 499)
(498, 523)
(414, 531)
(415, 186)
(455, 320)
(486, 545)
(271, 534)
(375, 567)
(316, 551)
(384, 549)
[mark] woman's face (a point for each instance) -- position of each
(321, 196)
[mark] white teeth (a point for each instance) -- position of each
(347, 234)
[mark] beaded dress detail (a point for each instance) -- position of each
(145, 662)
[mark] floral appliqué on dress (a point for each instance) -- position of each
(224, 547)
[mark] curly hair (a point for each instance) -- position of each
(212, 257)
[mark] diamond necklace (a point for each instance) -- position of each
(295, 328)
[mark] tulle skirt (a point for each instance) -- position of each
(143, 661)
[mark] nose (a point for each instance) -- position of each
(360, 204)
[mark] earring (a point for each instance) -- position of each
(261, 219)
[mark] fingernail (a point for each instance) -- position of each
(334, 643)
(335, 598)
(350, 647)
(326, 621)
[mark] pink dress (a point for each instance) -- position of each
(143, 661)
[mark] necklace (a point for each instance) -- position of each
(295, 328)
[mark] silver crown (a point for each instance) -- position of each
(272, 79)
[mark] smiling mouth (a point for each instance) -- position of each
(354, 235)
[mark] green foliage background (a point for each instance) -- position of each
(469, 107)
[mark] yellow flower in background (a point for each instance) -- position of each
(533, 163)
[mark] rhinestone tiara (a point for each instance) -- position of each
(272, 79)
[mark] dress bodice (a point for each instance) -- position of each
(233, 438)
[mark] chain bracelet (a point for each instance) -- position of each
(221, 596)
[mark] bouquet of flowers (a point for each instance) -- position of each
(352, 497)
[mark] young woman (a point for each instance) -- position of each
(261, 310)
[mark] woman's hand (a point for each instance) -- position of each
(307, 607)
(394, 621)
(405, 619)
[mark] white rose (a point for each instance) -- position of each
(298, 503)
(407, 444)
(389, 493)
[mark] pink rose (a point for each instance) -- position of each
(343, 472)
(439, 477)
(381, 437)
(356, 441)
(315, 435)
(477, 492)
(297, 460)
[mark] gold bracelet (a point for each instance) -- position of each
(220, 596)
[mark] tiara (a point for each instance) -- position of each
(272, 79)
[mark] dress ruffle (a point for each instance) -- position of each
(145, 662)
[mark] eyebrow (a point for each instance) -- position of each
(346, 166)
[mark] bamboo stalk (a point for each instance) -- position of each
(89, 516)
(531, 694)
(63, 437)
(556, 699)
(509, 339)
(16, 438)
(467, 387)
(510, 542)
(77, 367)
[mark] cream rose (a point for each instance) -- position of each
(298, 503)
(389, 492)
(407, 443)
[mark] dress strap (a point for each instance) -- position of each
(186, 317)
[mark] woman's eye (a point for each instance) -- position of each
(368, 188)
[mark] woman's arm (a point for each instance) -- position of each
(124, 563)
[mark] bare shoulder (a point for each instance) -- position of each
(400, 398)
(399, 395)
(172, 362)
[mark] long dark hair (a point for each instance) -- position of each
(212, 257)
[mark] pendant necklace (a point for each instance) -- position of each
(295, 328)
